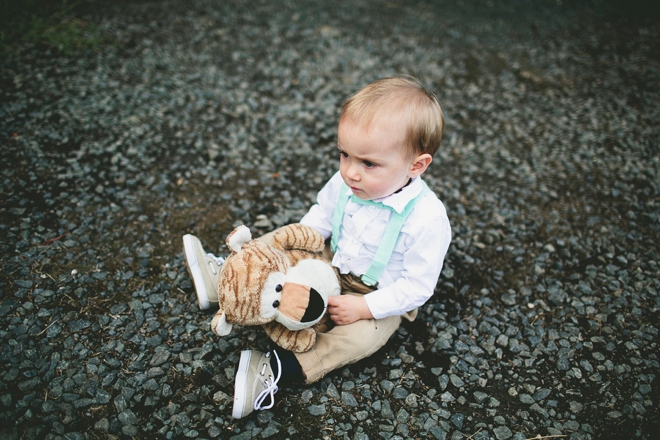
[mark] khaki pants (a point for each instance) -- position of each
(346, 344)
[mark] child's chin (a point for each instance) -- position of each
(360, 194)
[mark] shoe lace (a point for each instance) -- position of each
(270, 387)
(217, 260)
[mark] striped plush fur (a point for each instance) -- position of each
(247, 278)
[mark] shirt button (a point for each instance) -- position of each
(371, 208)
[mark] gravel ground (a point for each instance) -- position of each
(199, 116)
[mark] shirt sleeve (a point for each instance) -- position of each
(422, 264)
(320, 214)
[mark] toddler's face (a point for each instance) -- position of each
(373, 162)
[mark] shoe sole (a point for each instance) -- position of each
(240, 394)
(195, 271)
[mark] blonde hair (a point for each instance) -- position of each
(399, 97)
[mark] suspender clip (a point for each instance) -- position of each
(368, 281)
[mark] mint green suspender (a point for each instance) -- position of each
(389, 239)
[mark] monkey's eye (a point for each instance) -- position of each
(271, 295)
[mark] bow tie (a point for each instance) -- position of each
(356, 199)
(360, 201)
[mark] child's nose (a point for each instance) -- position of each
(352, 172)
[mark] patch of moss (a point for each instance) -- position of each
(51, 24)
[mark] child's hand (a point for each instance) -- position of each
(346, 309)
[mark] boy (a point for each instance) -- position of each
(389, 236)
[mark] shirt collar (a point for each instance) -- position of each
(398, 201)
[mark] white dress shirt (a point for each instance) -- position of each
(414, 267)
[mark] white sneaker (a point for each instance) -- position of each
(255, 383)
(204, 269)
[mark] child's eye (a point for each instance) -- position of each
(369, 164)
(343, 155)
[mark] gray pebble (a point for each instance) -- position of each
(348, 399)
(457, 420)
(502, 433)
(317, 410)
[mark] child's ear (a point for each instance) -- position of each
(420, 164)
